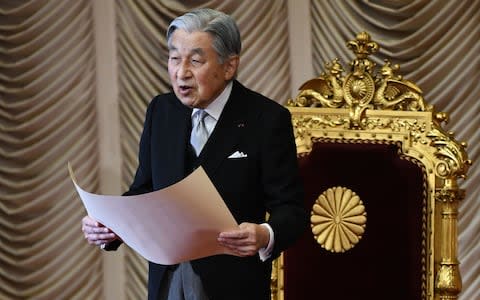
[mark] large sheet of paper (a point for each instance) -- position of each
(168, 226)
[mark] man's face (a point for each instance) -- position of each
(196, 75)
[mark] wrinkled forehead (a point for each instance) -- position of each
(182, 36)
(195, 42)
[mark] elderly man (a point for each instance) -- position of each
(208, 117)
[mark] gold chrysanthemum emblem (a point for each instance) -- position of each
(338, 219)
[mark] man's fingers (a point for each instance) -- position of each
(242, 251)
(96, 233)
(97, 239)
(95, 228)
(234, 234)
(235, 242)
(244, 241)
(88, 221)
(105, 236)
(99, 242)
(100, 230)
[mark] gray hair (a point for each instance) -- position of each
(222, 27)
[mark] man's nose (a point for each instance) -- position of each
(184, 70)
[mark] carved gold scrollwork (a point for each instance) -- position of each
(393, 92)
(363, 88)
(324, 91)
(448, 281)
(446, 194)
(338, 219)
(452, 157)
(304, 125)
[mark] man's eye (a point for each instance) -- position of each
(196, 62)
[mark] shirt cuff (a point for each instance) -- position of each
(266, 252)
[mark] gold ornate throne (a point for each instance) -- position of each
(380, 178)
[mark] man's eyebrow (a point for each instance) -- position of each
(198, 51)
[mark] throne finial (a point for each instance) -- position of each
(363, 45)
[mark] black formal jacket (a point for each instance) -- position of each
(264, 181)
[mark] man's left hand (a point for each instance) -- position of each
(246, 240)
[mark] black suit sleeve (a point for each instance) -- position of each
(142, 182)
(282, 186)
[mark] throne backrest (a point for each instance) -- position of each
(372, 118)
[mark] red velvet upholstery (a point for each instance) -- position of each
(387, 262)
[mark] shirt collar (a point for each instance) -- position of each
(215, 108)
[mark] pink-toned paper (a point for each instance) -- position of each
(169, 226)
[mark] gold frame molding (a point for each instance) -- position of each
(366, 106)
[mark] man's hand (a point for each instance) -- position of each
(95, 233)
(246, 240)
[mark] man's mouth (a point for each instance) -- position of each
(184, 89)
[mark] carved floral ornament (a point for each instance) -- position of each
(338, 219)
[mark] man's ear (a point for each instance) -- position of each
(231, 66)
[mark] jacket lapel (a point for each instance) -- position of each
(176, 149)
(229, 131)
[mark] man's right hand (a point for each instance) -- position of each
(97, 234)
